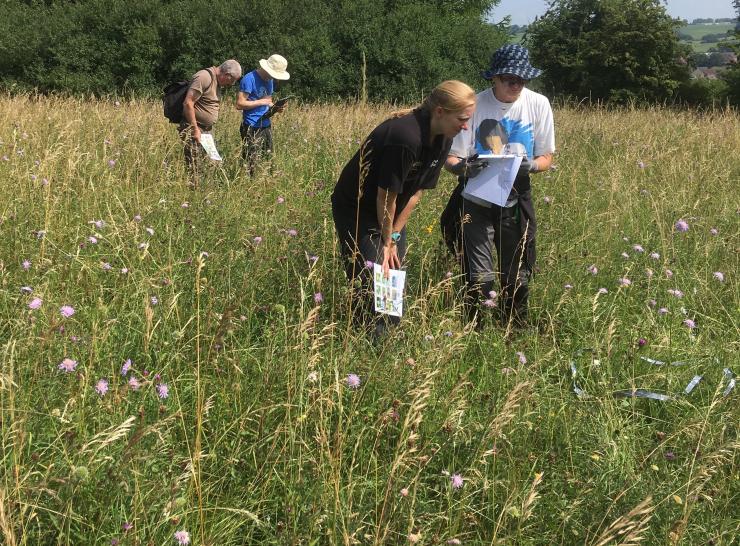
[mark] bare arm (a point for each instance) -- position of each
(542, 163)
(243, 103)
(403, 216)
(188, 112)
(386, 209)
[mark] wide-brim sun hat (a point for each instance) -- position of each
(275, 66)
(511, 59)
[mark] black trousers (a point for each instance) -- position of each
(256, 144)
(360, 242)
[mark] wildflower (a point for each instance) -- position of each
(719, 276)
(67, 311)
(675, 292)
(641, 164)
(106, 266)
(143, 246)
(137, 218)
(101, 387)
(163, 391)
(280, 200)
(625, 255)
(111, 163)
(457, 481)
(652, 303)
(369, 264)
(638, 248)
(522, 358)
(292, 232)
(414, 537)
(567, 286)
(681, 225)
(493, 294)
(185, 205)
(624, 281)
(134, 383)
(93, 240)
(547, 199)
(124, 270)
(663, 311)
(126, 366)
(428, 337)
(602, 291)
(26, 265)
(44, 181)
(713, 231)
(353, 381)
(669, 456)
(182, 538)
(35, 303)
(690, 324)
(649, 273)
(668, 274)
(592, 269)
(100, 224)
(127, 526)
(312, 377)
(257, 240)
(40, 234)
(404, 492)
(149, 230)
(490, 303)
(641, 342)
(448, 275)
(114, 542)
(67, 365)
(318, 297)
(448, 333)
(154, 300)
(26, 289)
(655, 256)
(313, 259)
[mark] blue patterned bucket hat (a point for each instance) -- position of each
(511, 59)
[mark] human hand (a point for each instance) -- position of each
(196, 133)
(390, 259)
(266, 101)
(527, 166)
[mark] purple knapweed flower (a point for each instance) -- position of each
(655, 256)
(719, 276)
(522, 358)
(457, 481)
(257, 240)
(668, 274)
(490, 303)
(106, 266)
(101, 387)
(124, 270)
(313, 259)
(35, 303)
(675, 292)
(602, 291)
(185, 205)
(280, 200)
(67, 365)
(137, 218)
(292, 232)
(67, 311)
(369, 264)
(318, 297)
(641, 342)
(638, 248)
(592, 269)
(353, 381)
(663, 311)
(713, 231)
(669, 456)
(154, 300)
(126, 366)
(127, 526)
(26, 265)
(429, 337)
(92, 240)
(26, 289)
(182, 538)
(134, 383)
(624, 281)
(690, 324)
(111, 163)
(652, 303)
(641, 164)
(625, 255)
(681, 225)
(163, 391)
(547, 199)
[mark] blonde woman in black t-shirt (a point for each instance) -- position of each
(383, 182)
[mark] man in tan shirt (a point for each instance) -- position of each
(200, 109)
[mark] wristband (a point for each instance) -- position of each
(533, 168)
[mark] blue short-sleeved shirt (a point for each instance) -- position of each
(255, 88)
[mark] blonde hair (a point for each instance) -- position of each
(450, 95)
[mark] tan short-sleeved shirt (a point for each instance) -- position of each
(207, 96)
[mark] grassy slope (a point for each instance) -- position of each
(260, 440)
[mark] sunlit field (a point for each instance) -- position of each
(175, 362)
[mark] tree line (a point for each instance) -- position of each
(392, 50)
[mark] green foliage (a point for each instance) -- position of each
(115, 46)
(599, 50)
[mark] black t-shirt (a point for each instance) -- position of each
(397, 156)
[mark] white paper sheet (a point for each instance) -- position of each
(493, 184)
(209, 145)
(389, 292)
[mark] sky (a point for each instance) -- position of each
(524, 11)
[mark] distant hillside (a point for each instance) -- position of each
(699, 31)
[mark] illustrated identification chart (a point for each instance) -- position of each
(389, 292)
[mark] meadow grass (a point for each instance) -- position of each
(235, 422)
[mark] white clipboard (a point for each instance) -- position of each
(209, 145)
(493, 184)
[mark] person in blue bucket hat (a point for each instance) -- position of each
(509, 119)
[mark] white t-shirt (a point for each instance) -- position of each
(523, 127)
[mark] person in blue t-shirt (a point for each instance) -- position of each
(255, 99)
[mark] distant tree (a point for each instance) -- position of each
(684, 37)
(732, 75)
(599, 49)
(702, 21)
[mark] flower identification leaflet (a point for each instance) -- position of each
(389, 292)
(209, 145)
(493, 184)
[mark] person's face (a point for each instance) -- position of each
(226, 80)
(451, 123)
(508, 87)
